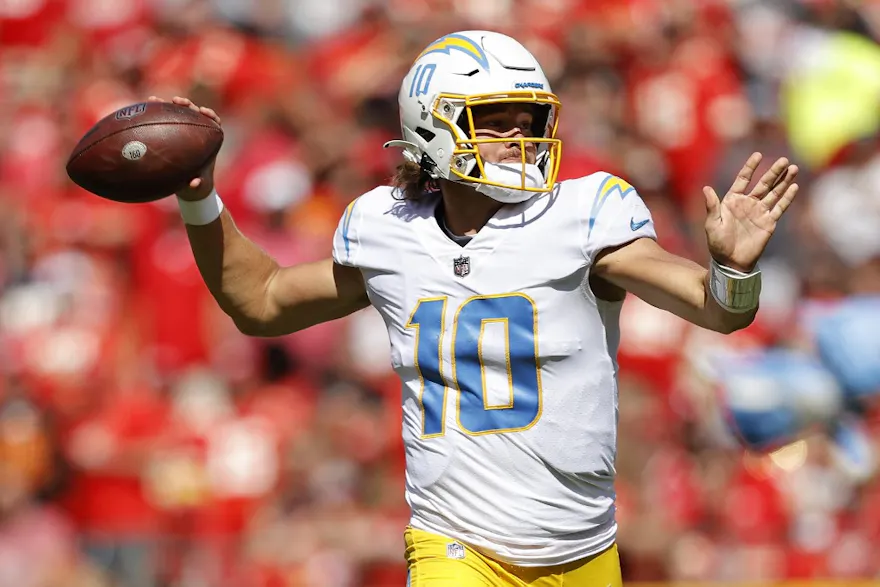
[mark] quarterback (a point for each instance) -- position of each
(501, 290)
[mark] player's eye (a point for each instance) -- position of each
(490, 121)
(503, 125)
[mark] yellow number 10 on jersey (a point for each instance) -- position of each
(519, 315)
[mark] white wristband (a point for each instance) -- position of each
(201, 212)
(734, 290)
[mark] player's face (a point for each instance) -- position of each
(512, 121)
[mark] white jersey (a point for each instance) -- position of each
(507, 361)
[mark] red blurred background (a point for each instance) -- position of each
(145, 442)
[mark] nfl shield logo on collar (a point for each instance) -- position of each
(461, 266)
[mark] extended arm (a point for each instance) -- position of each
(737, 230)
(668, 282)
(263, 298)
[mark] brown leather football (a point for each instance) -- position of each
(144, 152)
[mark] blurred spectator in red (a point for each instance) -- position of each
(144, 441)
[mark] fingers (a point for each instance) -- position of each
(744, 178)
(180, 101)
(782, 177)
(784, 202)
(777, 175)
(785, 181)
(185, 102)
(209, 112)
(713, 204)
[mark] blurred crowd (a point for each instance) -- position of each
(145, 442)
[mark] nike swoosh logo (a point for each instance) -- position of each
(634, 226)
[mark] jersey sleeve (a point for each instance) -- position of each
(615, 214)
(346, 244)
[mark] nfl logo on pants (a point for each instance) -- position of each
(461, 266)
(454, 550)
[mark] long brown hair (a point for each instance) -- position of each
(412, 181)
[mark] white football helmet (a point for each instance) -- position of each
(449, 78)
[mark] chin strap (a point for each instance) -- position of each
(542, 160)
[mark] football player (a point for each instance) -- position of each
(500, 289)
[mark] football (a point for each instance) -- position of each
(144, 152)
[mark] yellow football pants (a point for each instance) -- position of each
(437, 561)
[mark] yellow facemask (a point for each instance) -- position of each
(449, 106)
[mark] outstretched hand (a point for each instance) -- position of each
(739, 226)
